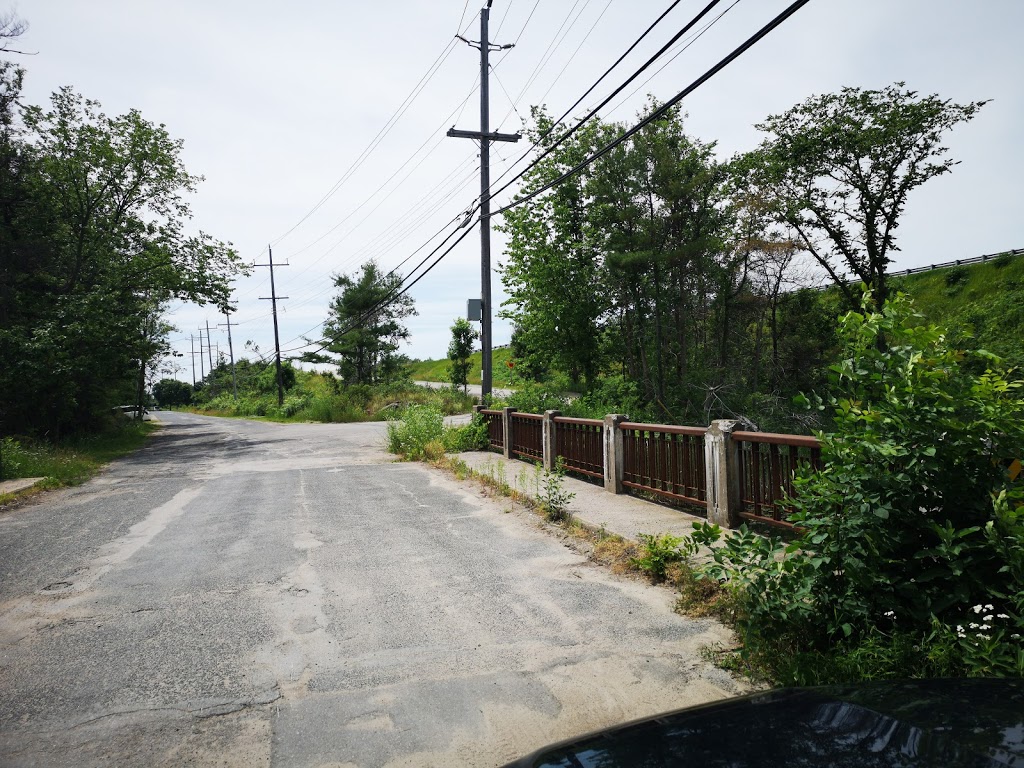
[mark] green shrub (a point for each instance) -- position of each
(418, 425)
(536, 398)
(433, 450)
(659, 550)
(914, 520)
(554, 499)
(956, 276)
(467, 437)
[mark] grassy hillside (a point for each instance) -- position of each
(984, 301)
(437, 370)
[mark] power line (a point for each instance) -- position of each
(379, 137)
(563, 137)
(736, 53)
(684, 45)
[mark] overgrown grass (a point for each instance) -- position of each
(313, 400)
(72, 461)
(419, 432)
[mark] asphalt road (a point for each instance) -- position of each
(242, 593)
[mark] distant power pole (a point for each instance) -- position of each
(485, 137)
(192, 339)
(202, 373)
(273, 297)
(231, 351)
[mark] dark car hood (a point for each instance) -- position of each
(914, 723)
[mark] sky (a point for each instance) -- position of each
(298, 117)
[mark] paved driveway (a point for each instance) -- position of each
(243, 593)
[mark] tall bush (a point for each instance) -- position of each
(909, 532)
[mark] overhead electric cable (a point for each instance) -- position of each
(683, 47)
(736, 53)
(563, 137)
(380, 136)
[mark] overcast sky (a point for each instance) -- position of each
(275, 102)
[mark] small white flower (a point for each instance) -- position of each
(986, 618)
(990, 607)
(986, 637)
(978, 608)
(1015, 636)
(890, 614)
(1002, 616)
(972, 625)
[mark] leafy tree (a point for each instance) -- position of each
(551, 268)
(365, 327)
(171, 392)
(915, 519)
(841, 166)
(93, 223)
(459, 350)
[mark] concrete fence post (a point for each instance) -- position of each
(613, 453)
(506, 425)
(548, 439)
(722, 463)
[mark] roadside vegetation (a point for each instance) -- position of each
(908, 559)
(71, 461)
(321, 397)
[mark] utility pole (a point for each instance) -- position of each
(209, 345)
(231, 351)
(273, 297)
(202, 373)
(485, 137)
(209, 352)
(192, 339)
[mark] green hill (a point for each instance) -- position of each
(437, 370)
(984, 300)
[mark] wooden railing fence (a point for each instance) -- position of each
(733, 475)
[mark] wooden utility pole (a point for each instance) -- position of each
(209, 351)
(202, 373)
(192, 339)
(273, 297)
(485, 137)
(231, 352)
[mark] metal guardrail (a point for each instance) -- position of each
(932, 267)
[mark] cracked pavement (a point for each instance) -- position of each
(246, 593)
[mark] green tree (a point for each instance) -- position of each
(171, 392)
(840, 168)
(364, 327)
(551, 268)
(93, 221)
(459, 350)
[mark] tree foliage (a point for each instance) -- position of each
(459, 350)
(655, 262)
(365, 328)
(840, 168)
(171, 392)
(95, 239)
(915, 519)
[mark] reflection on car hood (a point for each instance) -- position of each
(913, 723)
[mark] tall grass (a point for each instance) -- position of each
(309, 402)
(72, 461)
